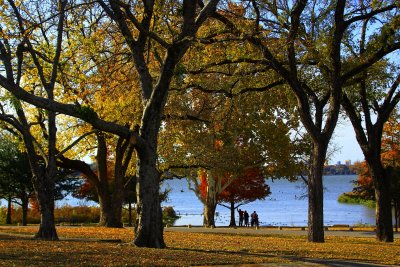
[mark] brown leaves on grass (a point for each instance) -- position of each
(184, 249)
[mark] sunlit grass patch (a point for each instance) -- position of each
(184, 249)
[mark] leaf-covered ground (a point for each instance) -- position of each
(184, 249)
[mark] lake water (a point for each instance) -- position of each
(286, 206)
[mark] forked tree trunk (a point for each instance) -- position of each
(149, 227)
(315, 195)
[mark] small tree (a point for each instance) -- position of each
(244, 189)
(15, 177)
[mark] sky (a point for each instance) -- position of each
(344, 139)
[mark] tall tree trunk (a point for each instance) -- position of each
(44, 190)
(9, 210)
(211, 202)
(209, 215)
(384, 224)
(315, 195)
(25, 203)
(130, 214)
(396, 215)
(232, 223)
(149, 227)
(109, 216)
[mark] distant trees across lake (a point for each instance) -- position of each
(339, 169)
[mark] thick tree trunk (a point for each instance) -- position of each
(211, 202)
(209, 215)
(232, 223)
(315, 195)
(384, 224)
(9, 210)
(149, 227)
(396, 216)
(109, 215)
(45, 195)
(25, 203)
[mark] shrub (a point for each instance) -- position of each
(79, 214)
(169, 215)
(350, 198)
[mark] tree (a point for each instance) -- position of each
(47, 70)
(378, 94)
(304, 42)
(245, 189)
(389, 157)
(106, 184)
(235, 135)
(154, 94)
(219, 120)
(15, 177)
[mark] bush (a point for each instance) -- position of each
(169, 215)
(79, 214)
(349, 198)
(16, 215)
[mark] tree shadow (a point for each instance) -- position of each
(294, 260)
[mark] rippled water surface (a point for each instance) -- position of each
(285, 206)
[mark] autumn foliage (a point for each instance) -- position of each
(390, 156)
(244, 188)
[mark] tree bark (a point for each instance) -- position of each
(110, 215)
(209, 215)
(315, 195)
(45, 193)
(149, 227)
(384, 224)
(211, 202)
(397, 214)
(25, 203)
(232, 223)
(9, 210)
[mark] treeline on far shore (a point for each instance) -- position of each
(340, 169)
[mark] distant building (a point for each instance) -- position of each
(339, 163)
(347, 162)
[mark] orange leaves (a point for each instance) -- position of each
(218, 145)
(184, 249)
(391, 141)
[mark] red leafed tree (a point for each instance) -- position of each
(243, 189)
(364, 184)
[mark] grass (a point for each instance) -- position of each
(350, 199)
(184, 249)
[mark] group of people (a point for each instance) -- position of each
(244, 218)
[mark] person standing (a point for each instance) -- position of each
(241, 213)
(246, 218)
(254, 219)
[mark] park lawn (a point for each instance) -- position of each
(183, 249)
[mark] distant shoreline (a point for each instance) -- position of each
(340, 169)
